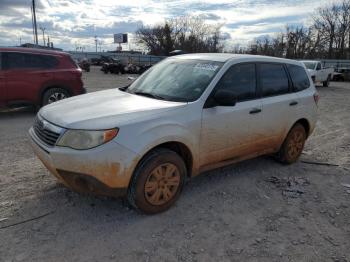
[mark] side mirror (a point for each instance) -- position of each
(225, 98)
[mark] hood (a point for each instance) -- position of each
(104, 109)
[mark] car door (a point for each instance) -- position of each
(319, 73)
(25, 75)
(279, 103)
(230, 132)
(2, 84)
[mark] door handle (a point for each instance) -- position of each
(294, 103)
(255, 111)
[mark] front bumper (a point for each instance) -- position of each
(104, 170)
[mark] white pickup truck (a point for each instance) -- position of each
(318, 73)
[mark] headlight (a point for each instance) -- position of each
(86, 139)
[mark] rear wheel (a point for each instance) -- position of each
(157, 182)
(293, 145)
(53, 95)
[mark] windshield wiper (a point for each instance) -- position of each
(140, 93)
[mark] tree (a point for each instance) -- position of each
(189, 34)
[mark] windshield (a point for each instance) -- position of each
(310, 65)
(180, 80)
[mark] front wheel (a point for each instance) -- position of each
(157, 182)
(53, 95)
(293, 145)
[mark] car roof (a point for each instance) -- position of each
(32, 50)
(225, 57)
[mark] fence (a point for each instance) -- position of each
(336, 63)
(125, 58)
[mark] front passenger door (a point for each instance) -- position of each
(230, 132)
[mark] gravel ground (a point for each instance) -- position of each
(257, 210)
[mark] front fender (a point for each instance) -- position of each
(148, 137)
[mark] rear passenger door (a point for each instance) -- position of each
(25, 75)
(279, 103)
(301, 87)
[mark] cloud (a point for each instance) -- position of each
(76, 22)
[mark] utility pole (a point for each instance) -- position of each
(43, 29)
(34, 23)
(96, 42)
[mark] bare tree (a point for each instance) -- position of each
(188, 33)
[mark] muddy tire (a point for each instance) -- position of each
(53, 95)
(157, 181)
(293, 145)
(326, 83)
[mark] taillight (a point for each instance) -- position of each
(316, 98)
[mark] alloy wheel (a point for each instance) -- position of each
(56, 97)
(162, 184)
(296, 144)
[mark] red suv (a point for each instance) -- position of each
(37, 77)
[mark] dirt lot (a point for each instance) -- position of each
(257, 210)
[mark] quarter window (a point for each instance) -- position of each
(299, 77)
(241, 79)
(274, 80)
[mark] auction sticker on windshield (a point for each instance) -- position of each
(208, 67)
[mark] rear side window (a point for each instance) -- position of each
(21, 60)
(0, 61)
(273, 79)
(299, 77)
(241, 79)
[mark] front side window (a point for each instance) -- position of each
(318, 66)
(0, 61)
(274, 80)
(241, 80)
(173, 79)
(299, 77)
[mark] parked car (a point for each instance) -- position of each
(136, 69)
(318, 73)
(113, 67)
(37, 77)
(185, 115)
(84, 65)
(342, 74)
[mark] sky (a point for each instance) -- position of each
(74, 23)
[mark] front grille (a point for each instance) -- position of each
(46, 135)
